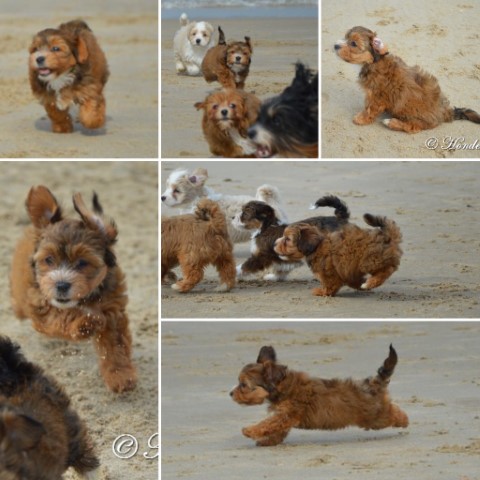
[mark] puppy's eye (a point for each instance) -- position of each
(215, 107)
(233, 106)
(81, 264)
(242, 385)
(176, 190)
(353, 44)
(50, 261)
(277, 121)
(55, 49)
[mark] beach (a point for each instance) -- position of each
(278, 43)
(435, 204)
(128, 194)
(440, 37)
(128, 34)
(436, 383)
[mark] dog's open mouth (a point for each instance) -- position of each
(44, 72)
(263, 151)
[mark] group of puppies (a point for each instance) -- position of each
(235, 122)
(66, 279)
(337, 251)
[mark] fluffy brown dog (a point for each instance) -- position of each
(194, 241)
(412, 96)
(345, 257)
(40, 433)
(65, 278)
(300, 401)
(67, 66)
(228, 64)
(227, 114)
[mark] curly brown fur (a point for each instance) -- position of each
(194, 241)
(297, 400)
(41, 435)
(347, 256)
(410, 95)
(228, 63)
(66, 279)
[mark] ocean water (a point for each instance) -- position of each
(212, 9)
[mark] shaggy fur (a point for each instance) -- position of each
(410, 95)
(66, 279)
(267, 227)
(194, 241)
(300, 401)
(190, 44)
(287, 125)
(184, 189)
(66, 67)
(228, 64)
(40, 433)
(227, 114)
(345, 257)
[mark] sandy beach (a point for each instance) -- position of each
(439, 36)
(435, 205)
(438, 388)
(277, 42)
(128, 193)
(128, 34)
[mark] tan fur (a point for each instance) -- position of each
(65, 279)
(70, 50)
(345, 257)
(300, 401)
(194, 241)
(227, 114)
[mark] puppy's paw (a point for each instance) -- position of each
(386, 122)
(121, 380)
(249, 432)
(223, 287)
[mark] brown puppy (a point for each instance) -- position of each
(345, 257)
(194, 241)
(411, 96)
(300, 401)
(67, 66)
(40, 433)
(228, 64)
(227, 114)
(66, 279)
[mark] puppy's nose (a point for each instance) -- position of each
(63, 287)
(238, 58)
(198, 40)
(40, 60)
(163, 197)
(231, 393)
(337, 46)
(251, 133)
(224, 112)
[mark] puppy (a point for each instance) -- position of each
(66, 67)
(227, 114)
(297, 400)
(410, 95)
(41, 435)
(267, 228)
(345, 257)
(287, 125)
(184, 189)
(190, 44)
(229, 64)
(194, 241)
(66, 279)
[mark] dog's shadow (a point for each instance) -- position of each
(44, 124)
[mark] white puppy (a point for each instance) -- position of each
(190, 44)
(184, 189)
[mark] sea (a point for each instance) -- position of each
(212, 9)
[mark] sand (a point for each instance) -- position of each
(434, 203)
(441, 37)
(436, 382)
(277, 42)
(128, 192)
(128, 34)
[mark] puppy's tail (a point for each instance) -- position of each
(221, 37)
(389, 228)
(183, 19)
(341, 210)
(209, 211)
(466, 114)
(386, 370)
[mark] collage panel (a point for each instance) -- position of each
(406, 393)
(79, 330)
(381, 240)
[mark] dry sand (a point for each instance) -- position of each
(436, 205)
(128, 33)
(277, 42)
(439, 35)
(436, 382)
(128, 192)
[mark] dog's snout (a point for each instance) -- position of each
(231, 393)
(337, 46)
(163, 197)
(251, 133)
(40, 60)
(224, 112)
(63, 287)
(238, 58)
(198, 40)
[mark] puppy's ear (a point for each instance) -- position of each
(23, 432)
(199, 105)
(309, 239)
(82, 50)
(379, 49)
(221, 37)
(249, 44)
(266, 354)
(198, 177)
(273, 374)
(42, 207)
(94, 220)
